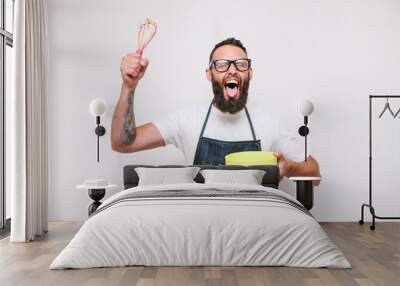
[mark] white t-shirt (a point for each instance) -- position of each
(182, 129)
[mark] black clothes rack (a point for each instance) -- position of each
(369, 205)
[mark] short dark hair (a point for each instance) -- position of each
(230, 41)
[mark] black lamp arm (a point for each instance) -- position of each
(100, 131)
(303, 131)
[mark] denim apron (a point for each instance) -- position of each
(212, 151)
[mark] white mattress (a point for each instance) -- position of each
(200, 231)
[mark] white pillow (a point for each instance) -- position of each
(249, 177)
(162, 176)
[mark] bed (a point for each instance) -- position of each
(201, 224)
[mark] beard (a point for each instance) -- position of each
(230, 106)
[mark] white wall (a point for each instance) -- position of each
(335, 53)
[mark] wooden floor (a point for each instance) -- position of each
(374, 255)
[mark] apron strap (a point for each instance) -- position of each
(205, 121)
(251, 124)
(248, 118)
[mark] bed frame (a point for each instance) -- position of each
(270, 179)
(304, 189)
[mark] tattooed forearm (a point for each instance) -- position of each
(128, 131)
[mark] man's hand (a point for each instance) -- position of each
(133, 68)
(289, 168)
(283, 164)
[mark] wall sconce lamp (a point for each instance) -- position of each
(306, 107)
(305, 185)
(97, 108)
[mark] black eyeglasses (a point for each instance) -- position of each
(224, 65)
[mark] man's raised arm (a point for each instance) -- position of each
(125, 136)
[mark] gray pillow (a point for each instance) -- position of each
(248, 177)
(162, 176)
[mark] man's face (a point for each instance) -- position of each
(230, 87)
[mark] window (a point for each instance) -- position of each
(9, 19)
(6, 60)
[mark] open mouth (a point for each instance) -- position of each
(232, 87)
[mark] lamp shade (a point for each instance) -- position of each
(306, 107)
(97, 107)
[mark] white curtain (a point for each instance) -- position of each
(27, 122)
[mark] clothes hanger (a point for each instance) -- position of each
(387, 107)
(395, 115)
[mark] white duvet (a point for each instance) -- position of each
(200, 231)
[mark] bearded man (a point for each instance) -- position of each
(205, 135)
